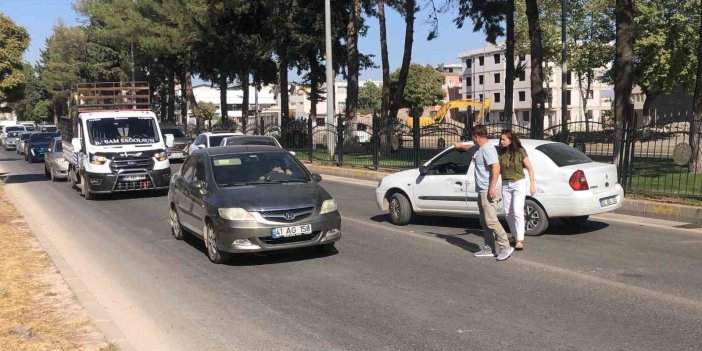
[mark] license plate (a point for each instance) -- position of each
(133, 178)
(291, 231)
(608, 201)
(177, 155)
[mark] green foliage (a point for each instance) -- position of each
(41, 110)
(665, 50)
(34, 94)
(369, 98)
(424, 88)
(208, 110)
(14, 40)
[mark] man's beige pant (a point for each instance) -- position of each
(492, 229)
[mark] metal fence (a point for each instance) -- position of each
(655, 158)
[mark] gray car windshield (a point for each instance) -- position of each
(257, 168)
(121, 131)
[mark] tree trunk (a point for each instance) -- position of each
(409, 12)
(538, 94)
(183, 101)
(223, 96)
(623, 64)
(314, 87)
(584, 93)
(385, 102)
(171, 95)
(283, 76)
(509, 58)
(353, 64)
(244, 100)
(650, 97)
(191, 99)
(696, 125)
(163, 101)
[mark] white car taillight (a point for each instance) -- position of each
(578, 182)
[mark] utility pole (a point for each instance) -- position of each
(331, 140)
(564, 72)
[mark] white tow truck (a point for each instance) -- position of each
(112, 141)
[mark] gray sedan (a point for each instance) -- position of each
(55, 166)
(251, 199)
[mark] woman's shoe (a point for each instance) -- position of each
(519, 245)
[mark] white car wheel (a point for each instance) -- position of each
(535, 218)
(400, 209)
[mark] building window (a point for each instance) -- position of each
(469, 96)
(588, 114)
(497, 77)
(497, 58)
(568, 97)
(522, 76)
(502, 116)
(481, 60)
(469, 82)
(480, 97)
(522, 58)
(480, 79)
(590, 94)
(525, 116)
(497, 97)
(450, 70)
(487, 116)
(522, 96)
(469, 63)
(450, 84)
(460, 79)
(568, 115)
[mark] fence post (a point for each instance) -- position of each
(415, 138)
(374, 140)
(340, 140)
(310, 140)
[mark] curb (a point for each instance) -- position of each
(640, 208)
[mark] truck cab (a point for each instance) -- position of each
(116, 151)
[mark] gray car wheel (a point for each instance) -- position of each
(400, 209)
(213, 252)
(176, 228)
(535, 218)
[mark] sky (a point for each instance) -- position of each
(39, 17)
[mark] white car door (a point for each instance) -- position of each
(444, 186)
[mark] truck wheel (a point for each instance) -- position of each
(72, 178)
(535, 218)
(85, 189)
(400, 209)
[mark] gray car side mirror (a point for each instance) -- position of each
(316, 177)
(423, 170)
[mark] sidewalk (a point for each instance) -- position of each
(632, 207)
(38, 311)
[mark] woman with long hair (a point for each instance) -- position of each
(513, 160)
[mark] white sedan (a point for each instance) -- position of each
(569, 185)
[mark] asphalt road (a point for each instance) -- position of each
(612, 284)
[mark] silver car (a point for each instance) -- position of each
(11, 140)
(21, 140)
(55, 166)
(250, 199)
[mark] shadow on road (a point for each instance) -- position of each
(270, 258)
(24, 178)
(130, 195)
(10, 159)
(457, 240)
(588, 227)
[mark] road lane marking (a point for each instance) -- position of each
(653, 294)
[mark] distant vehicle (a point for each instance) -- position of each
(180, 141)
(35, 146)
(11, 140)
(23, 136)
(115, 146)
(30, 126)
(47, 128)
(242, 199)
(569, 186)
(10, 128)
(209, 139)
(55, 165)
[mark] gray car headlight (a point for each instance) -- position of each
(328, 206)
(236, 214)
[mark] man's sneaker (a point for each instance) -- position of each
(505, 252)
(485, 252)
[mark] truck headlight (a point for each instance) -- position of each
(98, 160)
(161, 156)
(328, 206)
(236, 214)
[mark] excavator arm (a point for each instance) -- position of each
(443, 111)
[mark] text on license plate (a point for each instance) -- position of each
(133, 178)
(608, 201)
(291, 231)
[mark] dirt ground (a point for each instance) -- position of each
(38, 311)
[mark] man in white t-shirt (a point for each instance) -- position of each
(487, 170)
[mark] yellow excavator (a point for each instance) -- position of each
(443, 111)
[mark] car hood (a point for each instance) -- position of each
(271, 196)
(401, 177)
